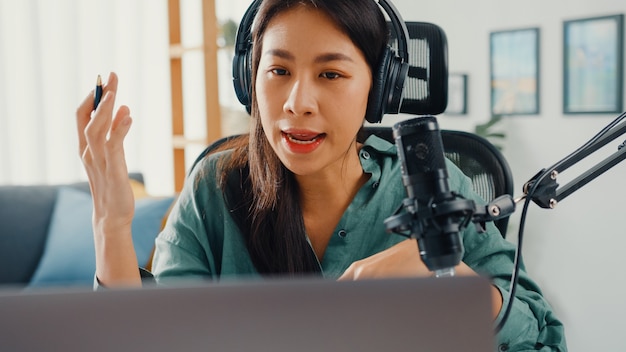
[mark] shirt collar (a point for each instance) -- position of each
(380, 145)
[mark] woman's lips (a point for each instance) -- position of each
(302, 141)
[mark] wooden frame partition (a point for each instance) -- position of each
(213, 115)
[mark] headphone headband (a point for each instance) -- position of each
(399, 27)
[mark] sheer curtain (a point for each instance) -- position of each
(50, 55)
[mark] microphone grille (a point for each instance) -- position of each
(420, 141)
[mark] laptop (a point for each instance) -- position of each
(429, 314)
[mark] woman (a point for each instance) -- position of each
(301, 195)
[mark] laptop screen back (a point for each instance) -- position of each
(448, 314)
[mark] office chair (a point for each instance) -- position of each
(426, 93)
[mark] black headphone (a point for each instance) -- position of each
(388, 80)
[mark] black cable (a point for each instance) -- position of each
(516, 261)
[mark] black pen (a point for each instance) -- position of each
(97, 94)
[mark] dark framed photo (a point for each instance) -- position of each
(593, 65)
(514, 66)
(457, 94)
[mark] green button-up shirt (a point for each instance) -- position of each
(201, 239)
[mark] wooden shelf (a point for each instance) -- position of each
(209, 48)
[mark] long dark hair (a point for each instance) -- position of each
(261, 192)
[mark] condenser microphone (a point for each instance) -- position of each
(436, 215)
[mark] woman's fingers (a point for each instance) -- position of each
(400, 260)
(101, 118)
(121, 125)
(114, 147)
(96, 129)
(85, 111)
(83, 117)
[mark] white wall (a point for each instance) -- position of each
(50, 55)
(573, 251)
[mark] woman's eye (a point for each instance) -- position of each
(330, 75)
(279, 71)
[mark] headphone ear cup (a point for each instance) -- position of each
(242, 75)
(387, 84)
(242, 61)
(398, 71)
(376, 99)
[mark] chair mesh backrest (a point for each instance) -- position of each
(479, 161)
(426, 87)
(483, 164)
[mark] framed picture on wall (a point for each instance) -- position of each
(593, 65)
(457, 94)
(514, 66)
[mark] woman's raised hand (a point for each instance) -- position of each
(101, 147)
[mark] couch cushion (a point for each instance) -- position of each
(25, 213)
(68, 257)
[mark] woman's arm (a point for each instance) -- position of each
(101, 148)
(403, 260)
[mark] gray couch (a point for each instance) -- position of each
(26, 215)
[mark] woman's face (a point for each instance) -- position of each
(312, 87)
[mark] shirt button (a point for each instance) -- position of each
(503, 347)
(365, 155)
(342, 233)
